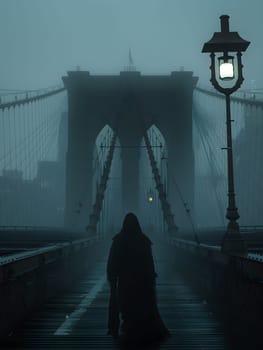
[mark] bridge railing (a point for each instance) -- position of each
(29, 278)
(232, 285)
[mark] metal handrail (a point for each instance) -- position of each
(12, 258)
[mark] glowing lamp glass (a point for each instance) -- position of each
(226, 71)
(226, 67)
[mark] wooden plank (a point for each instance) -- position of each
(187, 316)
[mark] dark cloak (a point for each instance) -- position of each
(131, 274)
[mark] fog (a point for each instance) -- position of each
(42, 39)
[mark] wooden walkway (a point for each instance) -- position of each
(78, 319)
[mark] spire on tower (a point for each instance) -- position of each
(130, 58)
(130, 67)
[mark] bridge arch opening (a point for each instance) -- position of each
(149, 203)
(111, 207)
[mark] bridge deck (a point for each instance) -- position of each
(78, 319)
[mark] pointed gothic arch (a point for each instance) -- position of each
(128, 103)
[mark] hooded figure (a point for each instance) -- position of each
(131, 274)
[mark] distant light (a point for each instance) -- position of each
(150, 199)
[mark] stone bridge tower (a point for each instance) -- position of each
(128, 102)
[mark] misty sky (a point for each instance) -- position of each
(42, 39)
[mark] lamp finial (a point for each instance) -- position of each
(224, 23)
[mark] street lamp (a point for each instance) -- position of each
(225, 49)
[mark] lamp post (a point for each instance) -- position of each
(227, 77)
